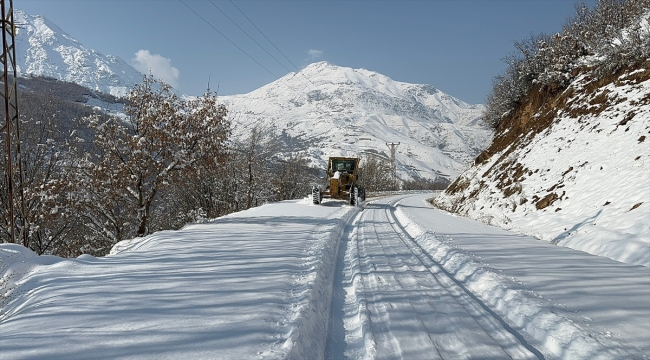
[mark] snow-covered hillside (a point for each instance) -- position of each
(570, 160)
(335, 110)
(583, 182)
(43, 49)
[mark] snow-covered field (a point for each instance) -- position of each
(396, 279)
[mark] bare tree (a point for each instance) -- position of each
(375, 174)
(293, 177)
(46, 220)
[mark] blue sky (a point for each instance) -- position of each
(454, 45)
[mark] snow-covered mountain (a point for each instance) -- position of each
(340, 111)
(324, 109)
(43, 49)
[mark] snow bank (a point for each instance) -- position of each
(308, 338)
(312, 293)
(17, 264)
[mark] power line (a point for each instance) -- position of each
(250, 37)
(237, 46)
(271, 42)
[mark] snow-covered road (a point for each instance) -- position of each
(394, 280)
(399, 304)
(569, 303)
(416, 282)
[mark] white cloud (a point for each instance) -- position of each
(160, 66)
(314, 54)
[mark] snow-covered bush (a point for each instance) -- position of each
(611, 36)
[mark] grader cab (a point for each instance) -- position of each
(342, 176)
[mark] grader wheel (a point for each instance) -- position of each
(354, 195)
(315, 195)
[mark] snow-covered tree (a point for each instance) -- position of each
(257, 171)
(133, 162)
(42, 212)
(294, 177)
(252, 156)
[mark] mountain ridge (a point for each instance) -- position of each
(355, 112)
(44, 49)
(326, 109)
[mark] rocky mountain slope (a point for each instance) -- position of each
(43, 49)
(338, 111)
(571, 164)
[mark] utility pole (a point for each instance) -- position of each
(10, 97)
(393, 166)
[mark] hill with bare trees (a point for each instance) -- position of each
(570, 162)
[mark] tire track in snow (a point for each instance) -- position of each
(513, 343)
(553, 334)
(387, 345)
(398, 305)
(350, 304)
(405, 279)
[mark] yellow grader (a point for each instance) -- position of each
(342, 176)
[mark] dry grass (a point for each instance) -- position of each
(547, 201)
(627, 118)
(541, 106)
(514, 189)
(458, 186)
(636, 78)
